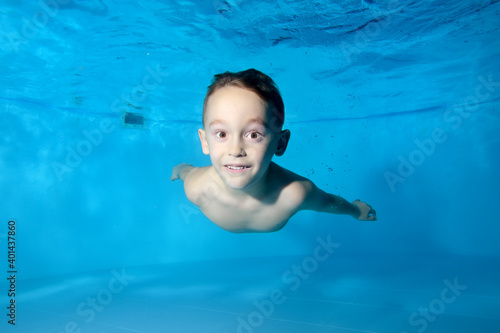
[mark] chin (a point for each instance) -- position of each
(238, 184)
(235, 185)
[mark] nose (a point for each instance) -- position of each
(236, 148)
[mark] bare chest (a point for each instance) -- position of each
(247, 217)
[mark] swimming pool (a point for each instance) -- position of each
(395, 103)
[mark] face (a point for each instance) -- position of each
(238, 137)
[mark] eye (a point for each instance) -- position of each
(221, 134)
(254, 135)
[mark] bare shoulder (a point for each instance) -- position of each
(195, 182)
(294, 187)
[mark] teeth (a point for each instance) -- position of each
(235, 168)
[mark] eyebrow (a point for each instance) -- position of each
(258, 120)
(215, 122)
(253, 120)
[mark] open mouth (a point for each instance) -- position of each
(236, 168)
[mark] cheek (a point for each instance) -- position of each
(215, 150)
(264, 152)
(218, 151)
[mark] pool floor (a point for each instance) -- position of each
(313, 294)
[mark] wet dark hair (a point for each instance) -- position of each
(259, 83)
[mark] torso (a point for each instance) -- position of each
(249, 214)
(245, 219)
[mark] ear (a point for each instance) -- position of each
(204, 143)
(282, 142)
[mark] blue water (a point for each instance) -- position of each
(393, 103)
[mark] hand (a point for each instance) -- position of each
(176, 172)
(366, 212)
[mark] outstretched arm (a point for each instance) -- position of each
(321, 201)
(181, 171)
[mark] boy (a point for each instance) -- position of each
(243, 190)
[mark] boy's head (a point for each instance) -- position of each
(259, 83)
(242, 127)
